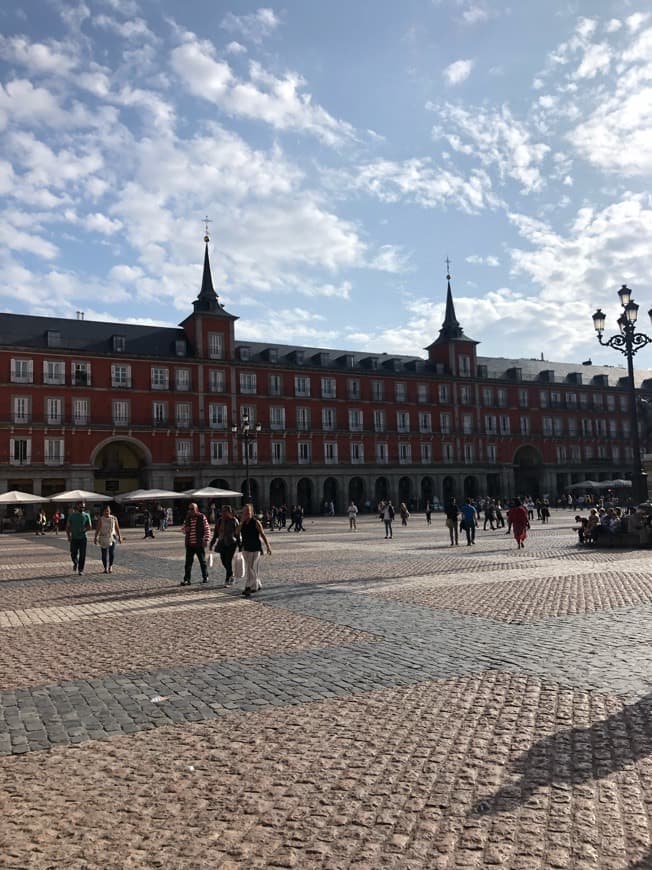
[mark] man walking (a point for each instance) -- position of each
(197, 533)
(79, 522)
(387, 514)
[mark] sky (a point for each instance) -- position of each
(342, 152)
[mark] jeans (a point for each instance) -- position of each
(226, 557)
(388, 528)
(78, 553)
(191, 552)
(107, 555)
(469, 528)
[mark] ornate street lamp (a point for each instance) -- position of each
(628, 342)
(244, 431)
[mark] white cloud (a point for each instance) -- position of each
(39, 58)
(235, 48)
(475, 14)
(256, 26)
(597, 59)
(134, 28)
(477, 260)
(100, 223)
(458, 71)
(635, 22)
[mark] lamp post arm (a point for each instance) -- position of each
(628, 343)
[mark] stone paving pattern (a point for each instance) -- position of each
(380, 704)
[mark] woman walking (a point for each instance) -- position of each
(225, 540)
(517, 517)
(252, 538)
(106, 532)
(405, 513)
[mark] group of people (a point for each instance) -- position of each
(466, 518)
(107, 533)
(604, 522)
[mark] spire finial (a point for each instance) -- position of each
(206, 222)
(448, 269)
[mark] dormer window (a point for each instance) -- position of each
(53, 338)
(119, 343)
(180, 347)
(272, 354)
(244, 353)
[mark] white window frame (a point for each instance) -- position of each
(248, 383)
(120, 412)
(304, 452)
(219, 452)
(80, 374)
(403, 421)
(328, 388)
(357, 453)
(20, 451)
(183, 450)
(160, 378)
(215, 345)
(382, 453)
(302, 386)
(80, 411)
(404, 453)
(159, 413)
(330, 453)
(182, 380)
(53, 451)
(276, 418)
(216, 380)
(21, 409)
(218, 415)
(356, 420)
(53, 411)
(22, 371)
(54, 372)
(121, 375)
(328, 418)
(303, 419)
(425, 421)
(183, 415)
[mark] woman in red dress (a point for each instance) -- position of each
(518, 519)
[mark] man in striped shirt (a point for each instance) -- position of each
(197, 532)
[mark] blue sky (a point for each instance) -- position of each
(342, 151)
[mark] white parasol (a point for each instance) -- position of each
(211, 492)
(80, 495)
(15, 496)
(149, 495)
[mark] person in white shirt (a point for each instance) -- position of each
(352, 511)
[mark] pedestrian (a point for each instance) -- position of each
(518, 520)
(147, 524)
(196, 532)
(41, 522)
(387, 516)
(500, 522)
(79, 522)
(545, 511)
(469, 521)
(56, 521)
(352, 511)
(107, 531)
(252, 538)
(404, 512)
(428, 513)
(489, 516)
(225, 540)
(452, 513)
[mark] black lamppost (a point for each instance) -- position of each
(244, 432)
(629, 342)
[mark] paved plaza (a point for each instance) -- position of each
(379, 704)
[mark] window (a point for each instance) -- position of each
(184, 414)
(301, 386)
(464, 365)
(120, 412)
(505, 424)
(571, 400)
(561, 453)
(468, 453)
(80, 373)
(525, 425)
(53, 451)
(491, 454)
(159, 413)
(215, 345)
(575, 453)
(53, 338)
(303, 419)
(443, 393)
(330, 453)
(522, 399)
(558, 426)
(611, 402)
(353, 388)
(276, 417)
(357, 453)
(465, 394)
(355, 420)
(423, 393)
(328, 419)
(377, 391)
(328, 388)
(249, 412)
(584, 400)
(615, 453)
(160, 379)
(243, 353)
(278, 452)
(587, 427)
(304, 452)
(247, 382)
(627, 429)
(217, 416)
(182, 379)
(501, 398)
(588, 451)
(54, 372)
(20, 451)
(120, 376)
(467, 424)
(598, 403)
(379, 421)
(613, 428)
(546, 425)
(219, 452)
(216, 381)
(447, 453)
(22, 371)
(119, 343)
(487, 397)
(54, 411)
(571, 422)
(180, 347)
(404, 452)
(544, 399)
(80, 412)
(272, 354)
(275, 385)
(602, 451)
(425, 422)
(425, 451)
(555, 399)
(382, 455)
(624, 404)
(490, 424)
(22, 409)
(445, 424)
(184, 450)
(402, 421)
(400, 391)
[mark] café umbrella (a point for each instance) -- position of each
(15, 496)
(211, 492)
(74, 495)
(138, 495)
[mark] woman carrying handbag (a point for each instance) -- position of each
(252, 538)
(225, 540)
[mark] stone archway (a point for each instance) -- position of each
(356, 492)
(304, 495)
(120, 465)
(528, 471)
(381, 489)
(220, 483)
(253, 493)
(471, 487)
(427, 491)
(405, 492)
(277, 493)
(448, 490)
(330, 491)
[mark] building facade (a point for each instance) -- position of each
(112, 407)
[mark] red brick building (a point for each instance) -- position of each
(112, 407)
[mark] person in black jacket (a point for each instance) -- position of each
(452, 513)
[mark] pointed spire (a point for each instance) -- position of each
(450, 327)
(208, 299)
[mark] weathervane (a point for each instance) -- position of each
(448, 269)
(206, 222)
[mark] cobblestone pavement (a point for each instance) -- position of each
(379, 704)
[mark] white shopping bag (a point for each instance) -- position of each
(238, 565)
(210, 560)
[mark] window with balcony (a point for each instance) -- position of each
(445, 424)
(160, 413)
(468, 453)
(328, 388)
(183, 412)
(584, 400)
(330, 453)
(425, 421)
(355, 420)
(546, 425)
(464, 365)
(544, 399)
(22, 409)
(303, 419)
(182, 380)
(80, 374)
(598, 402)
(379, 421)
(444, 393)
(54, 412)
(627, 429)
(54, 372)
(328, 419)
(353, 388)
(466, 394)
(382, 454)
(588, 451)
(611, 402)
(571, 422)
(377, 391)
(278, 452)
(275, 384)
(491, 424)
(423, 393)
(501, 398)
(404, 452)
(20, 451)
(80, 412)
(505, 424)
(216, 381)
(276, 418)
(523, 400)
(571, 400)
(304, 450)
(491, 454)
(184, 450)
(160, 378)
(357, 452)
(558, 426)
(525, 425)
(467, 424)
(120, 376)
(561, 453)
(624, 403)
(555, 399)
(400, 391)
(487, 397)
(53, 453)
(301, 386)
(425, 451)
(219, 452)
(215, 345)
(22, 371)
(602, 451)
(402, 421)
(587, 427)
(615, 453)
(120, 410)
(613, 429)
(217, 416)
(575, 453)
(247, 382)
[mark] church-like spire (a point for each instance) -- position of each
(208, 299)
(450, 327)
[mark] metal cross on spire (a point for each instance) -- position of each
(448, 268)
(206, 222)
